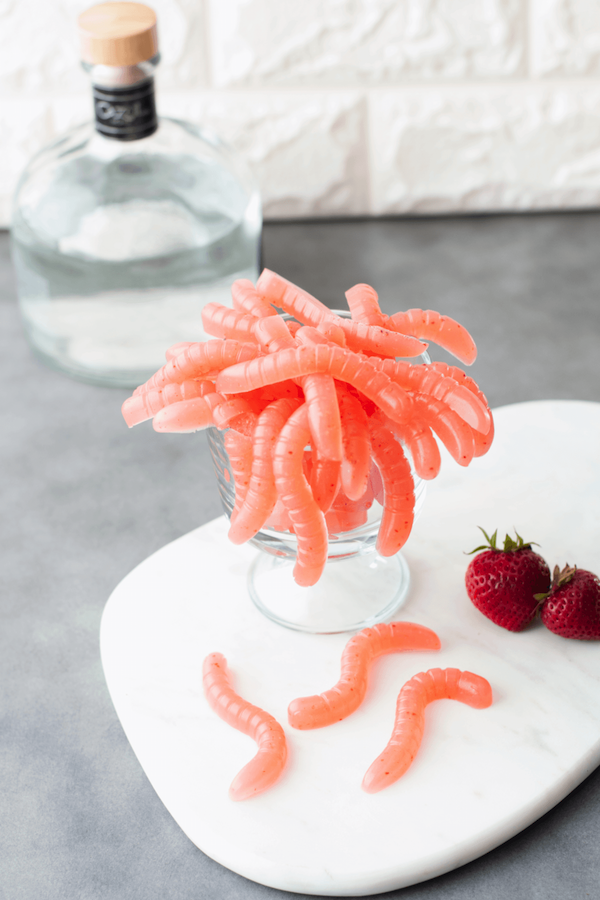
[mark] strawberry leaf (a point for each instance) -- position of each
(510, 545)
(560, 578)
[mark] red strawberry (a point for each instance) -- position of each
(572, 607)
(502, 583)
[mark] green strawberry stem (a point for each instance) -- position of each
(510, 546)
(559, 579)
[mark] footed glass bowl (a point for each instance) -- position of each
(358, 587)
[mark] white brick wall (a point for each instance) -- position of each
(348, 107)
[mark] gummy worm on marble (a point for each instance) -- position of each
(346, 696)
(265, 768)
(435, 684)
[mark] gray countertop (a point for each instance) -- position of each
(84, 500)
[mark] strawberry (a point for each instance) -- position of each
(502, 583)
(572, 606)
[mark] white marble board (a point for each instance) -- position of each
(480, 776)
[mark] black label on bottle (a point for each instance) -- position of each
(126, 114)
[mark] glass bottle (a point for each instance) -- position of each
(124, 228)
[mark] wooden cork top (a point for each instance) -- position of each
(118, 34)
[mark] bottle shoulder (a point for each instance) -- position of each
(177, 145)
(179, 178)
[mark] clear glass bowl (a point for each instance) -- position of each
(358, 587)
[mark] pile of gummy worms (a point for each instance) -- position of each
(336, 704)
(319, 410)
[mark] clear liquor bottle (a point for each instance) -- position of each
(124, 228)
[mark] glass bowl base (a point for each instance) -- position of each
(352, 593)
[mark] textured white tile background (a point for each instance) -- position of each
(347, 107)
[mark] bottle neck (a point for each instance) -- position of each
(124, 104)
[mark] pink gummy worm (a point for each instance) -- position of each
(266, 767)
(239, 451)
(175, 349)
(184, 417)
(246, 299)
(198, 359)
(482, 442)
(398, 489)
(293, 489)
(143, 406)
(421, 445)
(224, 322)
(453, 432)
(363, 303)
(232, 412)
(272, 333)
(375, 339)
(310, 311)
(324, 480)
(428, 380)
(261, 496)
(332, 330)
(360, 651)
(292, 299)
(319, 392)
(356, 446)
(228, 409)
(308, 336)
(334, 361)
(323, 416)
(435, 684)
(293, 327)
(442, 330)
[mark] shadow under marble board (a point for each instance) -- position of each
(480, 775)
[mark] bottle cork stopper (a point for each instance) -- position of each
(118, 34)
